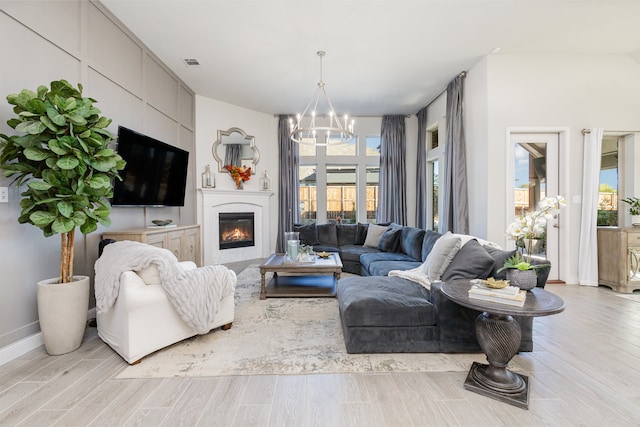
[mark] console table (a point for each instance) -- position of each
(182, 240)
(619, 258)
(499, 336)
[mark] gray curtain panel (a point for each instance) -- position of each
(456, 201)
(392, 206)
(288, 182)
(232, 154)
(421, 171)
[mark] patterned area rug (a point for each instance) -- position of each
(282, 336)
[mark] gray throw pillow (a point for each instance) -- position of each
(471, 262)
(499, 257)
(441, 255)
(374, 234)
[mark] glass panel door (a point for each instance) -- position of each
(536, 177)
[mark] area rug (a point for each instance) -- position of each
(282, 336)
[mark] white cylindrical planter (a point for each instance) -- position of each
(635, 220)
(62, 309)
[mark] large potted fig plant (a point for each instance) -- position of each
(61, 158)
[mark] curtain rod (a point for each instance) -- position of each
(462, 74)
(586, 131)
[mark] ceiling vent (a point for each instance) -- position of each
(191, 62)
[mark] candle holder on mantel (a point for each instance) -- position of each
(265, 181)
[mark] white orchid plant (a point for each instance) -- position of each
(533, 225)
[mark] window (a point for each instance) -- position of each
(340, 181)
(435, 157)
(608, 191)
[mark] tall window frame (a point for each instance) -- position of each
(322, 162)
(435, 167)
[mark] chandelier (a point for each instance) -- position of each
(309, 127)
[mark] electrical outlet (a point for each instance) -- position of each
(4, 195)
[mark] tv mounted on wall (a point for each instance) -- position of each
(155, 175)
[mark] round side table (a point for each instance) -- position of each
(499, 335)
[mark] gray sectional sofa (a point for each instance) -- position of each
(387, 314)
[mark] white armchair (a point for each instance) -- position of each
(143, 320)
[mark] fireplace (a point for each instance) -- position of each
(236, 229)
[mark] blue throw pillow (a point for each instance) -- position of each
(390, 240)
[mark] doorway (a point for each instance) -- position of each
(535, 176)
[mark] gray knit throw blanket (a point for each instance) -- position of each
(195, 294)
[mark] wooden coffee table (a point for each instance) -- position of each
(499, 336)
(313, 279)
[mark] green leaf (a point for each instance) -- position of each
(57, 147)
(100, 181)
(76, 119)
(31, 127)
(65, 209)
(62, 225)
(88, 226)
(41, 218)
(49, 123)
(42, 90)
(103, 122)
(70, 104)
(35, 154)
(39, 185)
(56, 117)
(36, 106)
(67, 162)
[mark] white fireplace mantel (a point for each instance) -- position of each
(213, 202)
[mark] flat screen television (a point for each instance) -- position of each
(155, 174)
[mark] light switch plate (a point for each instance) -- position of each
(4, 195)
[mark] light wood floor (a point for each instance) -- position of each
(585, 371)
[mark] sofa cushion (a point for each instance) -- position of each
(430, 238)
(361, 233)
(389, 242)
(471, 262)
(367, 258)
(382, 268)
(327, 234)
(411, 242)
(346, 234)
(499, 257)
(374, 234)
(308, 233)
(441, 255)
(384, 301)
(353, 252)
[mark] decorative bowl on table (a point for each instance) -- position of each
(495, 284)
(323, 254)
(162, 222)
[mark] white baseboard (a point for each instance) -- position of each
(18, 348)
(25, 345)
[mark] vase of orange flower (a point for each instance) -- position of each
(240, 174)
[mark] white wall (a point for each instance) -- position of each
(79, 41)
(543, 92)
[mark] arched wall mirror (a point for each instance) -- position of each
(235, 147)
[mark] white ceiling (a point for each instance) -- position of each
(383, 57)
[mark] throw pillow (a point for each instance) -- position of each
(374, 234)
(361, 233)
(308, 234)
(390, 240)
(471, 262)
(499, 257)
(441, 255)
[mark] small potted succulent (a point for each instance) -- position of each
(520, 272)
(634, 209)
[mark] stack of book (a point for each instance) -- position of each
(511, 295)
